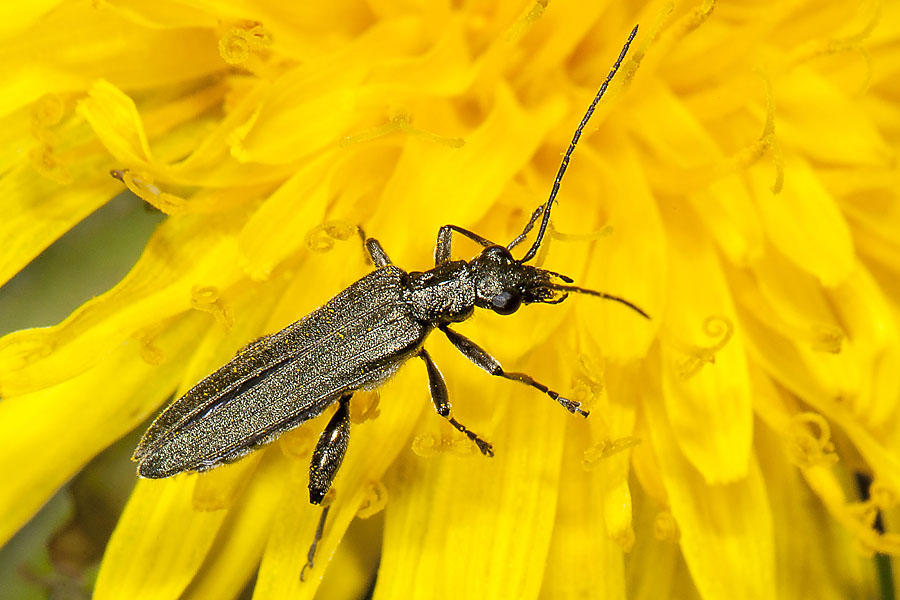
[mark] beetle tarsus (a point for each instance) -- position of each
(486, 448)
(311, 555)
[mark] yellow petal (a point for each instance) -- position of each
(61, 427)
(632, 265)
(117, 123)
(158, 286)
(355, 563)
(373, 447)
(17, 18)
(476, 527)
(806, 437)
(281, 224)
(784, 363)
(731, 219)
(819, 559)
(872, 332)
(463, 182)
(705, 381)
(726, 529)
(820, 120)
(804, 222)
(612, 426)
(235, 554)
(661, 557)
(76, 44)
(581, 543)
(159, 543)
(38, 211)
(126, 573)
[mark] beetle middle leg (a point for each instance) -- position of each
(490, 364)
(441, 399)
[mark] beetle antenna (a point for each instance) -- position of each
(565, 161)
(604, 295)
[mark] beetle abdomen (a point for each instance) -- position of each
(355, 340)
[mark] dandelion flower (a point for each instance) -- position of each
(739, 182)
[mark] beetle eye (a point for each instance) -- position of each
(506, 302)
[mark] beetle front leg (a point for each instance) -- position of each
(528, 227)
(374, 250)
(441, 398)
(445, 239)
(490, 364)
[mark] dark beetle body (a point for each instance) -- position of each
(357, 341)
(297, 372)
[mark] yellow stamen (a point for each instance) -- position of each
(529, 17)
(150, 353)
(806, 447)
(587, 386)
(553, 234)
(206, 298)
(400, 122)
(850, 43)
(320, 239)
(882, 496)
(364, 406)
(48, 164)
(713, 326)
(665, 528)
(429, 444)
(694, 19)
(767, 142)
(606, 449)
(298, 443)
(142, 186)
(48, 111)
(632, 63)
(374, 500)
(238, 43)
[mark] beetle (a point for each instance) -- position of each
(357, 340)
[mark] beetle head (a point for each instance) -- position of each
(503, 284)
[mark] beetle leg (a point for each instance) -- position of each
(374, 250)
(528, 227)
(441, 399)
(490, 364)
(444, 240)
(311, 555)
(326, 460)
(329, 452)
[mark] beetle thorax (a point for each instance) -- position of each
(446, 293)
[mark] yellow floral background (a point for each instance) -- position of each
(739, 182)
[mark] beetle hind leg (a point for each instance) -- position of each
(441, 399)
(329, 452)
(311, 554)
(326, 460)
